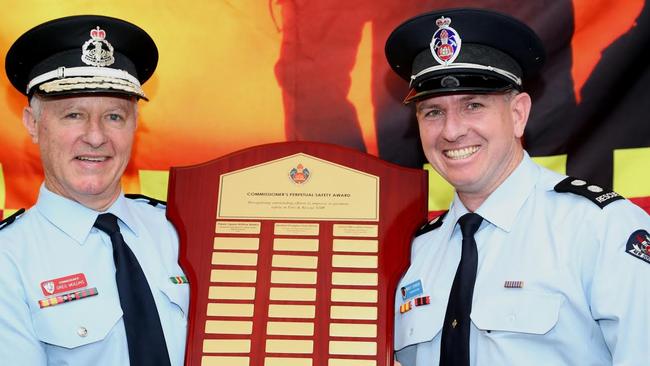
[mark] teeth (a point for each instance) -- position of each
(95, 159)
(461, 153)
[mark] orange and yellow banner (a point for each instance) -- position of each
(234, 74)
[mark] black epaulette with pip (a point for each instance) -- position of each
(431, 225)
(594, 193)
(141, 197)
(9, 220)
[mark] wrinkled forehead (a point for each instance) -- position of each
(91, 103)
(86, 99)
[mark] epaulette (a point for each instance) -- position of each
(594, 193)
(9, 220)
(431, 225)
(141, 197)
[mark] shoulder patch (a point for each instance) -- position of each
(431, 225)
(141, 197)
(594, 193)
(9, 220)
(638, 245)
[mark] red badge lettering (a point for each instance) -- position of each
(64, 284)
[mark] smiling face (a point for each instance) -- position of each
(473, 140)
(85, 144)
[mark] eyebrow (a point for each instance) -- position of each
(422, 106)
(465, 98)
(469, 97)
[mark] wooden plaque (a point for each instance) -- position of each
(293, 251)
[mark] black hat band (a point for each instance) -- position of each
(473, 83)
(515, 79)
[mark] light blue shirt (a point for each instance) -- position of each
(577, 296)
(55, 239)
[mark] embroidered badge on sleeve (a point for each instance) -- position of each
(638, 245)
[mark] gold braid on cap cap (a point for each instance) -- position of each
(95, 82)
(62, 73)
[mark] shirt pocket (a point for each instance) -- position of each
(420, 324)
(517, 311)
(76, 324)
(177, 294)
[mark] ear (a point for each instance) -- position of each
(520, 109)
(29, 121)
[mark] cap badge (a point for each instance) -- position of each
(445, 44)
(97, 51)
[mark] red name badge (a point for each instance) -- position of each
(63, 284)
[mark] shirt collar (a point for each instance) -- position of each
(75, 219)
(456, 211)
(120, 208)
(503, 205)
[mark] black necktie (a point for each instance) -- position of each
(454, 348)
(144, 333)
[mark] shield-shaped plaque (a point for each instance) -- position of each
(293, 251)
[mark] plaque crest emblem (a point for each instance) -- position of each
(97, 51)
(445, 43)
(638, 245)
(48, 287)
(299, 174)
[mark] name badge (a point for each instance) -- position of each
(64, 284)
(411, 290)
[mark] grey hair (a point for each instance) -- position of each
(35, 103)
(511, 94)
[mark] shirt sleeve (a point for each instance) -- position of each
(619, 290)
(18, 342)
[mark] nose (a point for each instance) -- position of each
(454, 127)
(95, 134)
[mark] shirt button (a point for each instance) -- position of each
(82, 331)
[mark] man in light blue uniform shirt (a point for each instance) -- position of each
(561, 266)
(59, 300)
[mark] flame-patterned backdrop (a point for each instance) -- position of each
(234, 74)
